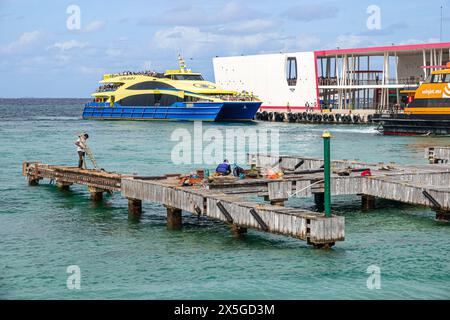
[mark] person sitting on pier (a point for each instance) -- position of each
(224, 168)
(81, 149)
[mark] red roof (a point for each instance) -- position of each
(382, 49)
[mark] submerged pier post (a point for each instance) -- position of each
(134, 208)
(327, 175)
(237, 230)
(277, 202)
(96, 194)
(174, 218)
(319, 199)
(442, 215)
(367, 202)
(33, 181)
(63, 185)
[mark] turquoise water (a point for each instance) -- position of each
(44, 230)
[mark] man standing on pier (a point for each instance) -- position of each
(81, 149)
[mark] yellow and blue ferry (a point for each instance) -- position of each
(174, 95)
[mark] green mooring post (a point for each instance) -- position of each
(326, 172)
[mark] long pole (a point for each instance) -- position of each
(327, 175)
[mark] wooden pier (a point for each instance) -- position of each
(223, 199)
(427, 185)
(438, 154)
(227, 198)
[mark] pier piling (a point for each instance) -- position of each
(319, 200)
(174, 218)
(96, 194)
(134, 208)
(367, 202)
(442, 215)
(277, 202)
(237, 230)
(63, 185)
(32, 181)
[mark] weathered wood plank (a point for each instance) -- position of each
(279, 190)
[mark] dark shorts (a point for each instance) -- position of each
(81, 153)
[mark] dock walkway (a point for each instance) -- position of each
(228, 199)
(219, 202)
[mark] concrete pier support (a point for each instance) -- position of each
(33, 181)
(134, 208)
(319, 200)
(325, 246)
(237, 230)
(63, 185)
(174, 218)
(96, 194)
(367, 202)
(277, 202)
(443, 215)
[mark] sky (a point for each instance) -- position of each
(47, 49)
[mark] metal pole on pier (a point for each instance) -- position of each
(327, 189)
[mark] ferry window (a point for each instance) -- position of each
(191, 99)
(446, 78)
(191, 77)
(168, 99)
(149, 100)
(291, 71)
(195, 99)
(157, 99)
(436, 78)
(150, 85)
(138, 100)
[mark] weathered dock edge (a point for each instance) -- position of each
(427, 185)
(297, 223)
(438, 154)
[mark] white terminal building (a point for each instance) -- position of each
(361, 78)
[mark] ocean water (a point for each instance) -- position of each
(44, 230)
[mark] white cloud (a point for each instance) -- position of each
(188, 15)
(247, 27)
(192, 41)
(350, 41)
(25, 40)
(416, 41)
(114, 52)
(93, 26)
(91, 71)
(68, 45)
(311, 12)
